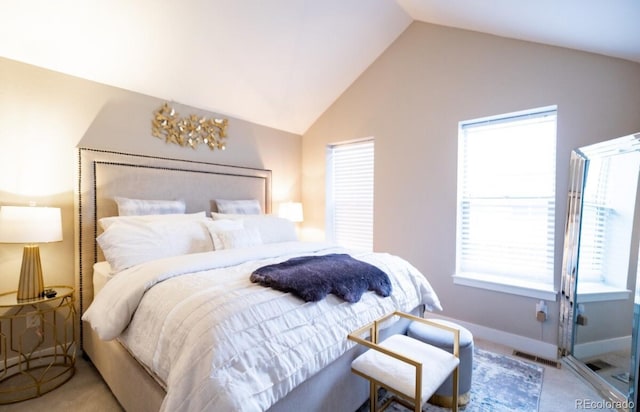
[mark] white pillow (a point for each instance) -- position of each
(243, 207)
(233, 239)
(126, 244)
(215, 226)
(135, 207)
(272, 228)
(105, 222)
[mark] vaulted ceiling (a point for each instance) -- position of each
(279, 63)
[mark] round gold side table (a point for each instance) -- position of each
(37, 344)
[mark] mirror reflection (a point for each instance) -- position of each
(598, 328)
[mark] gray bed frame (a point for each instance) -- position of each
(103, 175)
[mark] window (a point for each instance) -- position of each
(607, 226)
(350, 194)
(506, 202)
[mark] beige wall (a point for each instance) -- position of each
(44, 115)
(411, 100)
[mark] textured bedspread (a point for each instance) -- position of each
(221, 342)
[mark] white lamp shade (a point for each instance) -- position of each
(291, 211)
(30, 224)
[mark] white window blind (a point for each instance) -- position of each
(596, 216)
(506, 196)
(608, 210)
(350, 194)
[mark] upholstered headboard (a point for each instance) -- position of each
(103, 175)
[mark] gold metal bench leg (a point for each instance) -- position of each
(373, 396)
(454, 401)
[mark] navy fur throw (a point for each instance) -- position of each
(314, 277)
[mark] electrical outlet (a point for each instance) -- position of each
(581, 320)
(541, 311)
(33, 320)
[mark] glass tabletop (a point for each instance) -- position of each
(10, 299)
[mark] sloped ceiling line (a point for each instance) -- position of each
(279, 63)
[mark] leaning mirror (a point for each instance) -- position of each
(599, 316)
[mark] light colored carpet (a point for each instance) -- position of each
(84, 392)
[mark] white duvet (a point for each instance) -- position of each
(222, 343)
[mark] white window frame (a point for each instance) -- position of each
(349, 191)
(531, 207)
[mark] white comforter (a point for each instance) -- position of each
(222, 343)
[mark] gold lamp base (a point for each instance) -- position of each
(31, 285)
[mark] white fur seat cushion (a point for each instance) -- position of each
(401, 376)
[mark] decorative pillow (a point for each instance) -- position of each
(272, 228)
(126, 244)
(105, 222)
(233, 239)
(215, 226)
(135, 207)
(241, 207)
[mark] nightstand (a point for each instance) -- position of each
(37, 344)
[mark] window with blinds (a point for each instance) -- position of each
(506, 197)
(608, 209)
(350, 194)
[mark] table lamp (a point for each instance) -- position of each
(30, 225)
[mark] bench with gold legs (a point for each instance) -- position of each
(409, 369)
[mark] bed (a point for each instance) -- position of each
(190, 331)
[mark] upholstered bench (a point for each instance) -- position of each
(408, 368)
(440, 339)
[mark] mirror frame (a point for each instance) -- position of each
(578, 166)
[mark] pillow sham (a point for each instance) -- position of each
(238, 238)
(105, 222)
(242, 207)
(135, 207)
(272, 228)
(215, 226)
(125, 244)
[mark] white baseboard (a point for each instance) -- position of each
(532, 346)
(595, 348)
